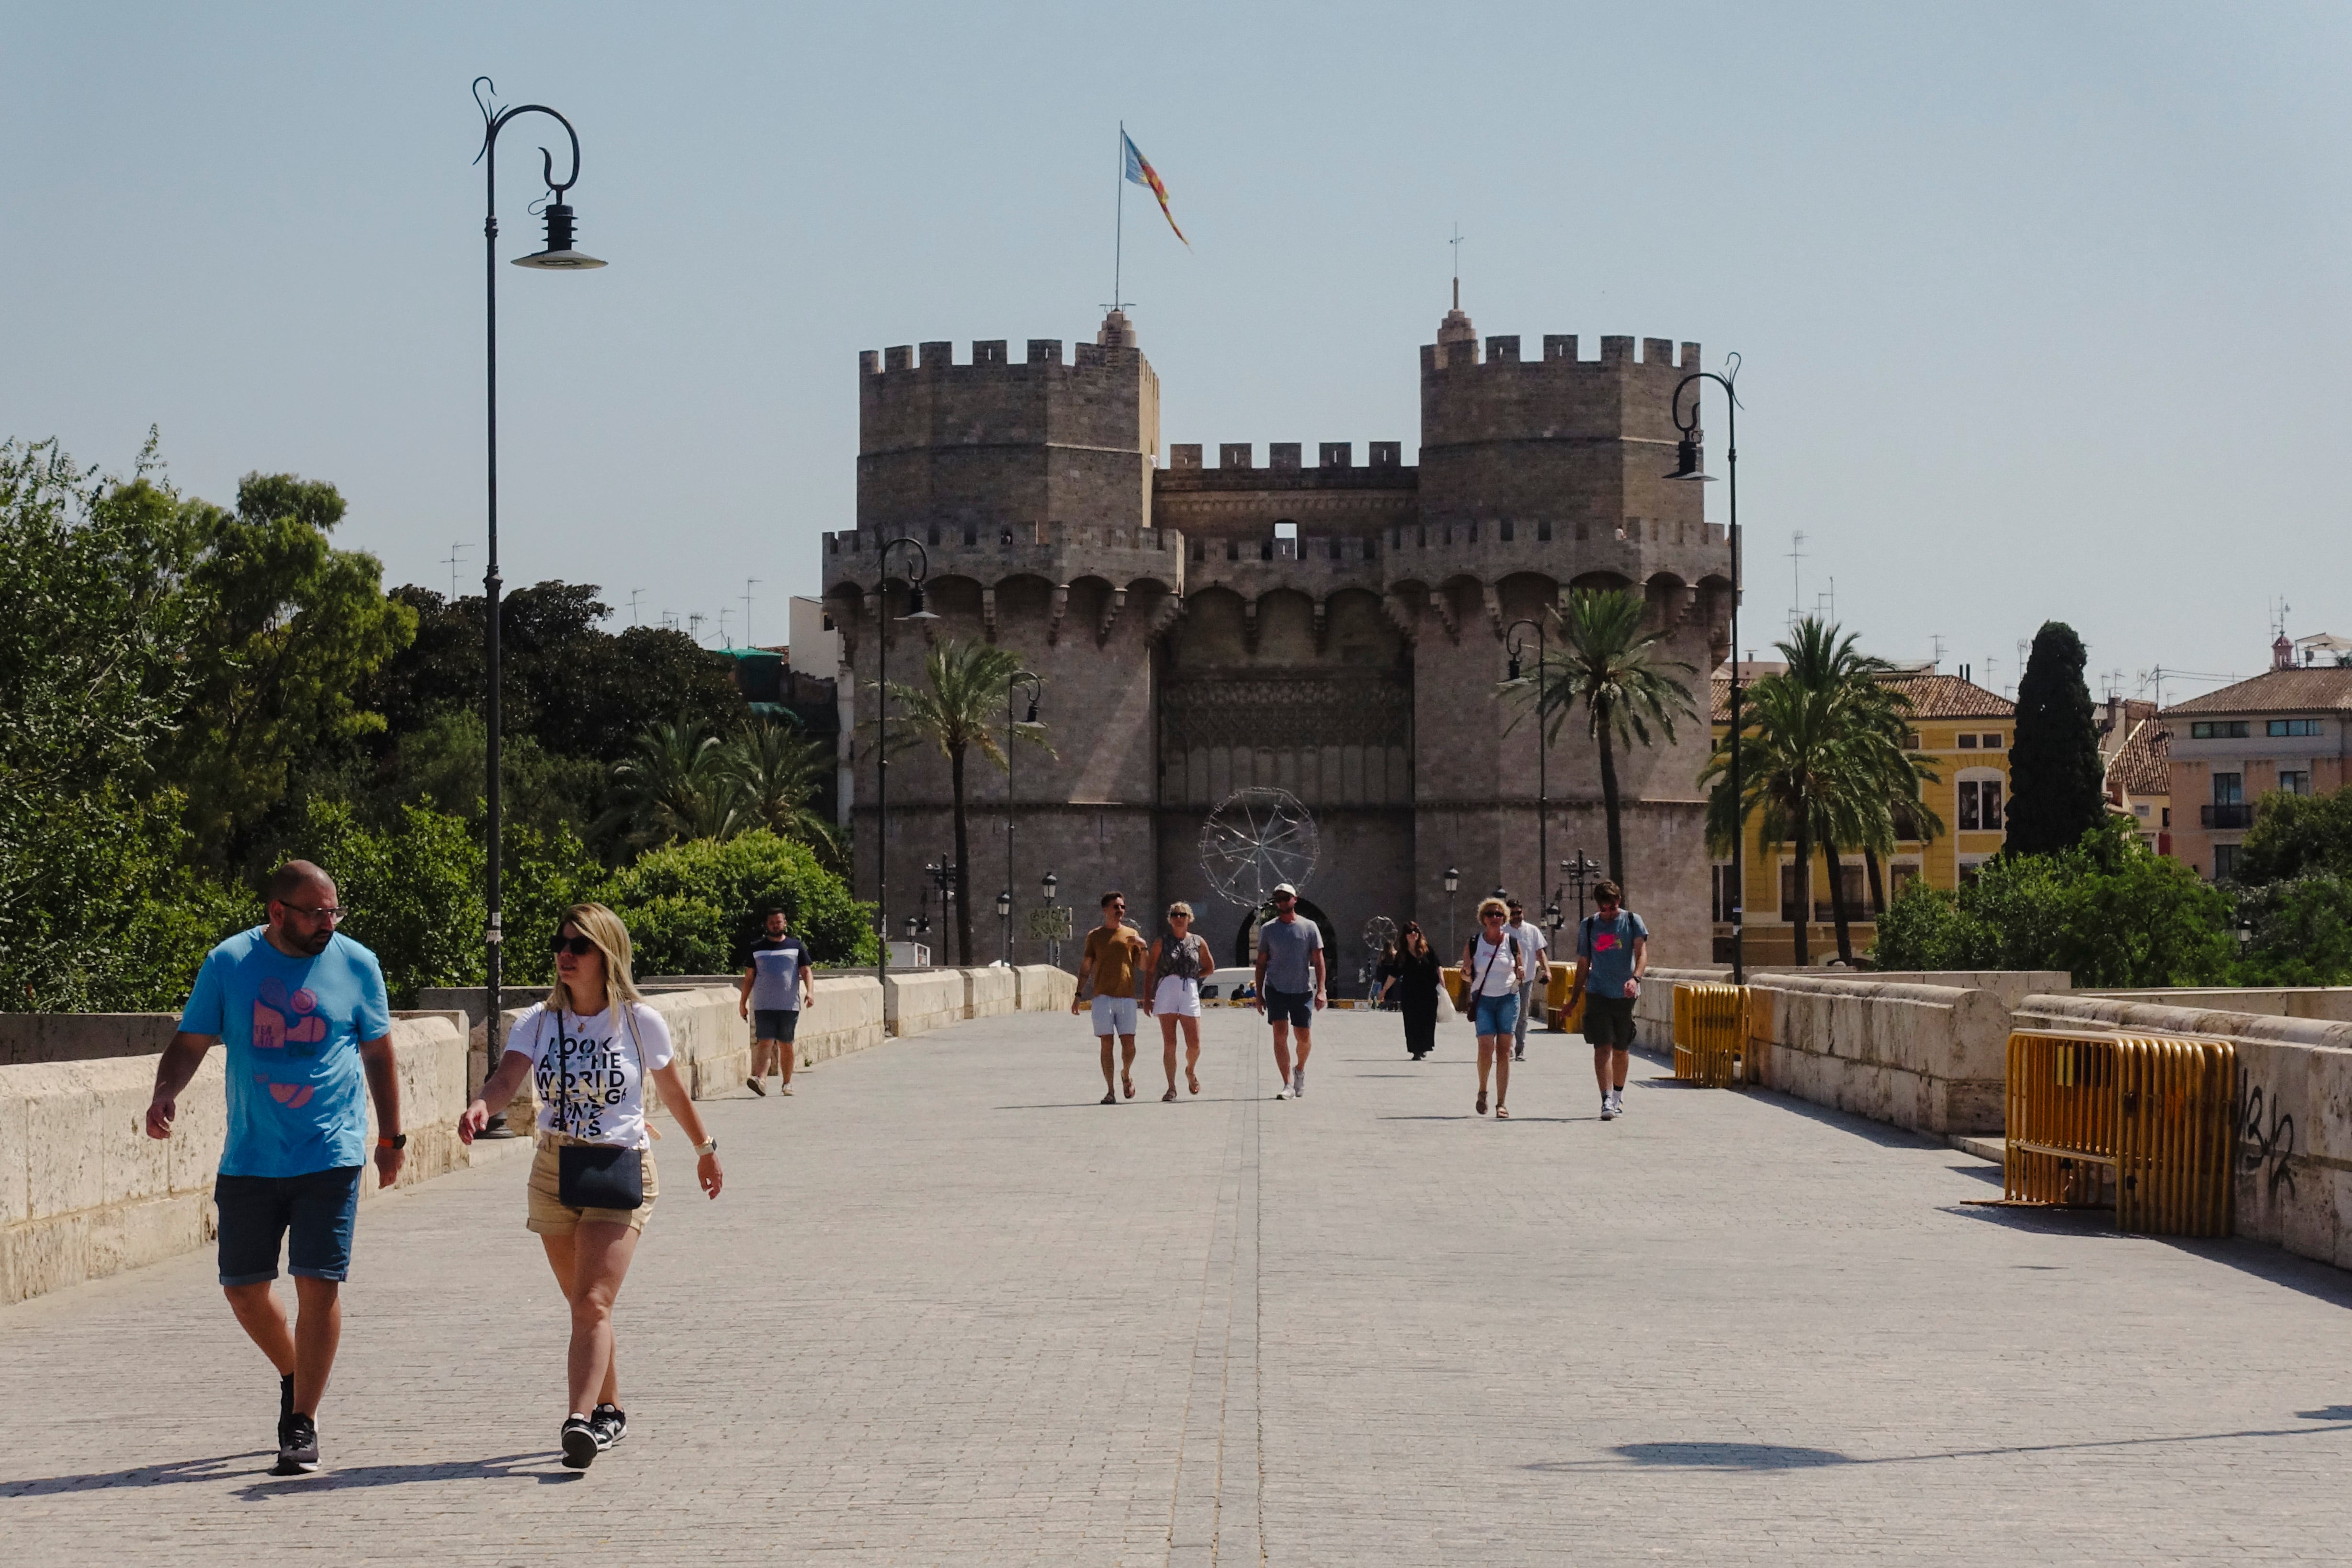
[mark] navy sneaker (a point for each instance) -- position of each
(297, 1450)
(610, 1423)
(580, 1445)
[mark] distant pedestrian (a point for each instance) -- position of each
(779, 981)
(1290, 983)
(589, 1050)
(1113, 962)
(1493, 976)
(1612, 952)
(1419, 978)
(1171, 992)
(1384, 970)
(303, 1011)
(1534, 948)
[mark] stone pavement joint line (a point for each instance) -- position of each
(950, 1310)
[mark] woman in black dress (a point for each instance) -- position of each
(1413, 985)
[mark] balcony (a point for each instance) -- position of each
(2234, 815)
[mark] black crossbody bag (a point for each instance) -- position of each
(597, 1176)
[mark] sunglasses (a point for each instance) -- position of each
(578, 947)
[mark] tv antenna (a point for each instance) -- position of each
(694, 620)
(1937, 638)
(456, 548)
(747, 584)
(635, 594)
(1796, 575)
(1456, 242)
(724, 640)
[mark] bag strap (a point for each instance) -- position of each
(1480, 988)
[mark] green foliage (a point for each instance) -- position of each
(416, 892)
(2108, 910)
(446, 766)
(2302, 932)
(2298, 835)
(695, 908)
(779, 774)
(673, 784)
(2056, 784)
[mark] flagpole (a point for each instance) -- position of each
(1119, 231)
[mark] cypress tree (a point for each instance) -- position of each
(2055, 783)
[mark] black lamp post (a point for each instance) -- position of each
(1453, 880)
(559, 257)
(1053, 944)
(1543, 793)
(916, 571)
(1579, 872)
(1690, 466)
(1036, 691)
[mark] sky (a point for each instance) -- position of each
(2039, 307)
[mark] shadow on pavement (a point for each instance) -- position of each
(253, 1467)
(1720, 1455)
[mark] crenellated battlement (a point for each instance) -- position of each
(1560, 356)
(989, 354)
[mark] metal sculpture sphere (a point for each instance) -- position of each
(1254, 840)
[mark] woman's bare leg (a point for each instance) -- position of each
(1167, 1022)
(590, 1265)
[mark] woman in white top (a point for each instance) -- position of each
(1493, 972)
(1172, 990)
(588, 1051)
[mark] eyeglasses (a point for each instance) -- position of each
(323, 912)
(578, 947)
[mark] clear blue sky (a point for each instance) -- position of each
(2043, 308)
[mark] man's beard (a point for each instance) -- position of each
(310, 946)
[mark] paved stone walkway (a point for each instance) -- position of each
(949, 1311)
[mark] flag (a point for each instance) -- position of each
(1139, 170)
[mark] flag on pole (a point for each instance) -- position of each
(1139, 170)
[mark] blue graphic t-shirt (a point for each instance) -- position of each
(1610, 944)
(776, 966)
(297, 1096)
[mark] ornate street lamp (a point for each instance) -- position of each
(559, 257)
(1579, 872)
(916, 571)
(1036, 691)
(1453, 880)
(1051, 886)
(1543, 794)
(1690, 466)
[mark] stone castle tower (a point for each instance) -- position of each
(1334, 628)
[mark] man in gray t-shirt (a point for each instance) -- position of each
(1290, 985)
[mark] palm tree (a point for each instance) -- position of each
(777, 771)
(1615, 669)
(956, 709)
(673, 784)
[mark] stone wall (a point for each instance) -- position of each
(2294, 1112)
(1043, 988)
(919, 1001)
(85, 1193)
(82, 1037)
(988, 993)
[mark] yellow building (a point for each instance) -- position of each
(1965, 731)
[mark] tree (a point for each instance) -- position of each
(673, 784)
(778, 772)
(956, 709)
(1616, 671)
(695, 908)
(2298, 835)
(2057, 788)
(1799, 771)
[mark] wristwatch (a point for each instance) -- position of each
(397, 1140)
(709, 1148)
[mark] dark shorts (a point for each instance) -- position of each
(1296, 1008)
(1608, 1021)
(774, 1023)
(312, 1214)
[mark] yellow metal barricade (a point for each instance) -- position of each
(1453, 979)
(1711, 1036)
(2142, 1123)
(1564, 999)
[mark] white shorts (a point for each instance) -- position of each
(1114, 1015)
(1178, 995)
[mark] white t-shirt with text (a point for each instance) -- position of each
(589, 1072)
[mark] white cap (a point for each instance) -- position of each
(1282, 888)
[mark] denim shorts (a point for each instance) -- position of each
(1114, 1015)
(1497, 1015)
(774, 1023)
(1296, 1008)
(312, 1214)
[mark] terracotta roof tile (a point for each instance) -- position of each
(1932, 697)
(2140, 766)
(2277, 691)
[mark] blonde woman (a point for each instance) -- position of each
(589, 1050)
(1493, 973)
(1172, 973)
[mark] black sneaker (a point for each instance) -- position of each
(285, 1406)
(610, 1423)
(297, 1450)
(580, 1445)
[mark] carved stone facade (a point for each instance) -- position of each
(1335, 629)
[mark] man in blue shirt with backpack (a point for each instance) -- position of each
(1612, 949)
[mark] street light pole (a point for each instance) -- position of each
(559, 257)
(1036, 691)
(1543, 793)
(1690, 467)
(1053, 943)
(919, 568)
(1453, 880)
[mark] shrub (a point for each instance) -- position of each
(695, 908)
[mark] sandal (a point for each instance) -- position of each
(1501, 1114)
(1170, 1095)
(1193, 1080)
(1482, 1102)
(1127, 1083)
(1108, 1099)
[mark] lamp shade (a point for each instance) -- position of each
(558, 255)
(1690, 460)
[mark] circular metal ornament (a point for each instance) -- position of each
(1254, 840)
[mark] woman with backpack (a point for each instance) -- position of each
(1172, 973)
(1493, 973)
(589, 1050)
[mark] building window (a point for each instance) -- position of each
(1899, 878)
(1970, 870)
(2228, 788)
(1992, 741)
(1911, 741)
(1788, 894)
(2294, 727)
(2225, 862)
(2168, 817)
(1981, 805)
(2139, 810)
(1849, 883)
(2219, 729)
(1726, 896)
(2295, 781)
(1968, 742)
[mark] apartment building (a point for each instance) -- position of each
(2288, 730)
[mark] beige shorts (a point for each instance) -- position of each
(549, 1217)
